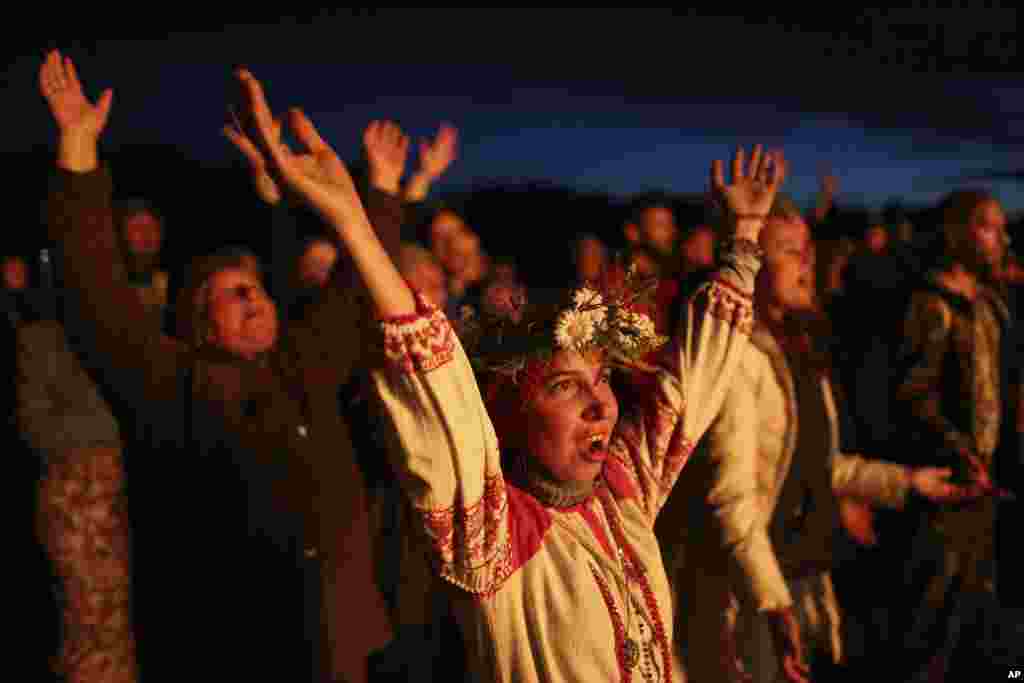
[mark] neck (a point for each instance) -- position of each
(550, 492)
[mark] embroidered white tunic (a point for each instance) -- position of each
(544, 591)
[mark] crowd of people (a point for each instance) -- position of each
(736, 449)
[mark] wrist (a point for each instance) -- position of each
(78, 153)
(747, 227)
(423, 177)
(386, 182)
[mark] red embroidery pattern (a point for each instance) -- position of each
(635, 573)
(84, 529)
(728, 304)
(467, 540)
(420, 342)
(625, 673)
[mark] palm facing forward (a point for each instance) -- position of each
(75, 116)
(316, 176)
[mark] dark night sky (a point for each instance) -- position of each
(901, 104)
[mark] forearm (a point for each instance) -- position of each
(881, 483)
(386, 288)
(102, 312)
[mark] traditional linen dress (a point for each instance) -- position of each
(547, 594)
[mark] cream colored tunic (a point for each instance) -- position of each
(542, 593)
(749, 450)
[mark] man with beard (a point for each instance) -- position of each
(952, 400)
(141, 236)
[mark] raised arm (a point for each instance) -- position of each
(102, 313)
(329, 324)
(446, 452)
(435, 157)
(697, 367)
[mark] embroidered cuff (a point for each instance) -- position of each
(419, 342)
(730, 305)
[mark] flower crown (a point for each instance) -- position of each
(506, 335)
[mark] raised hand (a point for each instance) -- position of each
(437, 155)
(386, 150)
(74, 114)
(80, 122)
(435, 158)
(749, 197)
(316, 176)
(266, 187)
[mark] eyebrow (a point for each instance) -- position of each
(572, 373)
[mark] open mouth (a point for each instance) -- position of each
(596, 449)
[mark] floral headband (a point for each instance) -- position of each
(507, 335)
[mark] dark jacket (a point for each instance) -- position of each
(264, 440)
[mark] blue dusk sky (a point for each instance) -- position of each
(901, 104)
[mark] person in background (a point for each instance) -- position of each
(954, 398)
(421, 269)
(316, 263)
(142, 235)
(590, 256)
(246, 422)
(697, 249)
(757, 516)
(82, 515)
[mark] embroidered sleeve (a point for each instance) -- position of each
(927, 336)
(444, 449)
(696, 369)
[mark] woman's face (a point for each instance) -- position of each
(316, 263)
(243, 319)
(15, 274)
(788, 271)
(571, 417)
(592, 260)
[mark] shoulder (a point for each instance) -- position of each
(929, 310)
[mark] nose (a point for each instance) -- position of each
(599, 404)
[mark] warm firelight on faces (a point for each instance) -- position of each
(787, 277)
(242, 318)
(571, 416)
(143, 233)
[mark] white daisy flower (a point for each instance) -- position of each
(586, 296)
(574, 330)
(624, 339)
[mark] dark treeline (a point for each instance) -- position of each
(530, 222)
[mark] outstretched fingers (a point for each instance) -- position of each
(717, 175)
(778, 170)
(246, 147)
(737, 165)
(756, 168)
(307, 133)
(265, 132)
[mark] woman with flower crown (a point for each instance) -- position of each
(538, 493)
